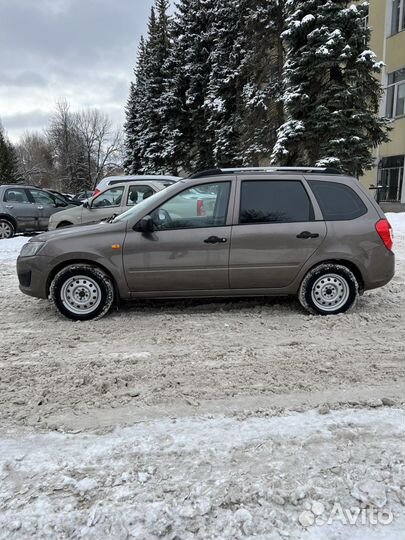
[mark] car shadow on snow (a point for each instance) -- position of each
(212, 305)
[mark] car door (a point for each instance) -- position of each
(104, 205)
(188, 250)
(47, 205)
(278, 227)
(22, 208)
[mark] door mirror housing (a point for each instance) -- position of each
(146, 225)
(86, 204)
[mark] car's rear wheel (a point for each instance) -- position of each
(82, 292)
(7, 229)
(329, 289)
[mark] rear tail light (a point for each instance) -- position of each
(200, 208)
(384, 229)
(96, 192)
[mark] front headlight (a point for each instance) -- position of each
(31, 248)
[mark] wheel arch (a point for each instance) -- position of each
(64, 224)
(9, 218)
(343, 262)
(73, 262)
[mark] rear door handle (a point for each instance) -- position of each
(215, 240)
(306, 234)
(40, 207)
(9, 206)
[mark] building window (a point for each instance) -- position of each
(396, 94)
(398, 16)
(391, 177)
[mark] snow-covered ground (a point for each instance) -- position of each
(266, 478)
(188, 420)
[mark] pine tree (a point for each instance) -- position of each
(134, 114)
(8, 160)
(223, 102)
(263, 50)
(192, 141)
(331, 95)
(156, 54)
(145, 111)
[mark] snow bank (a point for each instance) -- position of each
(10, 249)
(397, 221)
(217, 477)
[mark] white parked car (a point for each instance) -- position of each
(112, 180)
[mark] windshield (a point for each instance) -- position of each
(150, 203)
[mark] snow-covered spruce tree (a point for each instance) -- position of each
(146, 107)
(331, 95)
(262, 66)
(134, 115)
(223, 102)
(191, 140)
(8, 160)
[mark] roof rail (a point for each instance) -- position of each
(233, 170)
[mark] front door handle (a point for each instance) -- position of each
(9, 206)
(215, 240)
(306, 234)
(40, 207)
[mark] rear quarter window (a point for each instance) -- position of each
(338, 202)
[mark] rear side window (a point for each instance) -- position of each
(274, 201)
(338, 202)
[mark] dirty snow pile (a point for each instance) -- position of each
(9, 249)
(309, 476)
(242, 418)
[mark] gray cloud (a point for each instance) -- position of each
(34, 119)
(82, 51)
(25, 79)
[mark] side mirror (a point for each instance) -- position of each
(86, 204)
(146, 225)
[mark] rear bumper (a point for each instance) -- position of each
(32, 276)
(380, 268)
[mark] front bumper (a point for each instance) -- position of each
(32, 275)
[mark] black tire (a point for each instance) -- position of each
(329, 289)
(82, 292)
(7, 229)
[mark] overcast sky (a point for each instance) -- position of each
(79, 50)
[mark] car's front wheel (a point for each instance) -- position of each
(7, 229)
(82, 292)
(329, 289)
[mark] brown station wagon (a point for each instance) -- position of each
(310, 232)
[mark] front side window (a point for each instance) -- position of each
(16, 195)
(201, 206)
(274, 201)
(42, 197)
(338, 202)
(137, 194)
(396, 94)
(111, 197)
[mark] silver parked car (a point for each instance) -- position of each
(313, 233)
(25, 209)
(109, 203)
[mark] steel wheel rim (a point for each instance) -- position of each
(6, 230)
(81, 295)
(330, 292)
